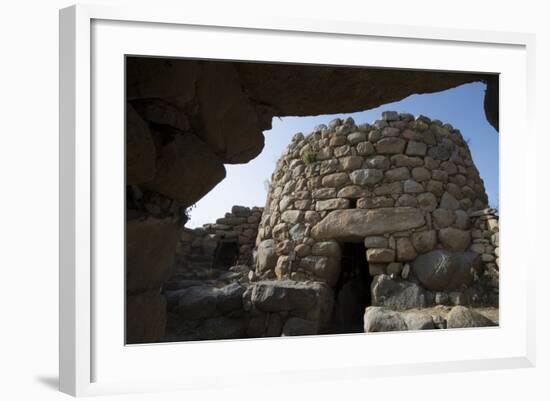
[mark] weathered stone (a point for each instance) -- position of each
(390, 132)
(390, 116)
(292, 216)
(406, 200)
(302, 250)
(435, 187)
(266, 255)
(442, 151)
(454, 239)
(377, 162)
(312, 217)
(440, 175)
(406, 161)
(441, 270)
(323, 267)
(416, 148)
(302, 204)
(350, 163)
(462, 317)
(379, 319)
(427, 201)
(324, 193)
(284, 295)
(389, 189)
(398, 174)
(421, 174)
(140, 149)
(366, 176)
(360, 223)
(380, 255)
(376, 269)
(365, 148)
(462, 220)
(356, 137)
(394, 269)
(282, 268)
(344, 150)
(353, 192)
(375, 202)
(376, 242)
(397, 294)
(405, 250)
(424, 241)
(150, 251)
(326, 248)
(443, 217)
(198, 302)
(335, 180)
(411, 186)
(177, 167)
(418, 321)
(390, 146)
(332, 204)
(297, 232)
(338, 140)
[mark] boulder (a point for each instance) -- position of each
(397, 294)
(360, 223)
(377, 319)
(285, 295)
(380, 255)
(390, 146)
(198, 303)
(441, 270)
(449, 202)
(368, 176)
(461, 317)
(405, 249)
(267, 258)
(424, 241)
(322, 267)
(418, 321)
(454, 239)
(335, 180)
(326, 248)
(150, 252)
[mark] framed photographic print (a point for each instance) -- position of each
(243, 187)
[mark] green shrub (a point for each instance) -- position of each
(309, 157)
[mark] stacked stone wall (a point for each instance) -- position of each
(198, 249)
(404, 186)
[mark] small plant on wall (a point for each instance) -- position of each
(309, 157)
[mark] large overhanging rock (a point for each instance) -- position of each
(229, 104)
(359, 223)
(187, 169)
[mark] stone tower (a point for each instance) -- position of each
(394, 214)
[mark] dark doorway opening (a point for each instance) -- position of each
(352, 291)
(226, 255)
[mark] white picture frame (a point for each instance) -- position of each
(93, 358)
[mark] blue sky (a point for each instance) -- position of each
(461, 107)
